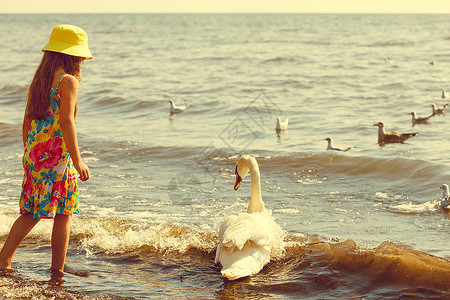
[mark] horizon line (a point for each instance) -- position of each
(229, 13)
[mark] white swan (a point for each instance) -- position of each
(247, 241)
(282, 125)
(175, 109)
(445, 202)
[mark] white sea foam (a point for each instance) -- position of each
(409, 207)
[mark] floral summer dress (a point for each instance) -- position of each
(50, 180)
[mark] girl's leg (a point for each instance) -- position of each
(20, 229)
(60, 241)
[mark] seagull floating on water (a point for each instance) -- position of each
(175, 109)
(444, 94)
(438, 109)
(391, 137)
(416, 120)
(331, 147)
(282, 125)
(445, 202)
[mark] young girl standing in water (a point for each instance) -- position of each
(51, 157)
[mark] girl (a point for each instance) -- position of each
(51, 157)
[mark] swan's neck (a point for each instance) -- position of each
(445, 193)
(256, 204)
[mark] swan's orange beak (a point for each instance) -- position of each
(238, 180)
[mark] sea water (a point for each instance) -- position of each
(361, 223)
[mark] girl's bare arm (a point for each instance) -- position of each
(68, 91)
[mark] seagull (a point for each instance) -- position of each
(174, 109)
(391, 137)
(282, 125)
(330, 146)
(444, 94)
(445, 197)
(416, 120)
(438, 109)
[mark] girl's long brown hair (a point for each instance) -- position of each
(38, 99)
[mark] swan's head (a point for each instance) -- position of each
(445, 188)
(433, 105)
(413, 113)
(242, 169)
(328, 139)
(379, 124)
(171, 102)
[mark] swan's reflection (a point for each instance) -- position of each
(282, 134)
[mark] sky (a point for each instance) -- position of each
(225, 6)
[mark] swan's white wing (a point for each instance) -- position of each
(246, 243)
(241, 263)
(255, 227)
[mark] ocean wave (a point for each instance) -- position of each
(390, 264)
(319, 42)
(297, 84)
(114, 236)
(289, 29)
(330, 163)
(13, 90)
(120, 106)
(213, 58)
(279, 59)
(391, 44)
(205, 91)
(309, 259)
(322, 164)
(10, 134)
(393, 85)
(410, 208)
(14, 96)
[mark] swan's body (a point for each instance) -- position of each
(175, 109)
(438, 109)
(444, 93)
(331, 147)
(445, 202)
(282, 125)
(247, 241)
(391, 137)
(415, 120)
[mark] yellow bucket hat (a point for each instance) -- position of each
(69, 39)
